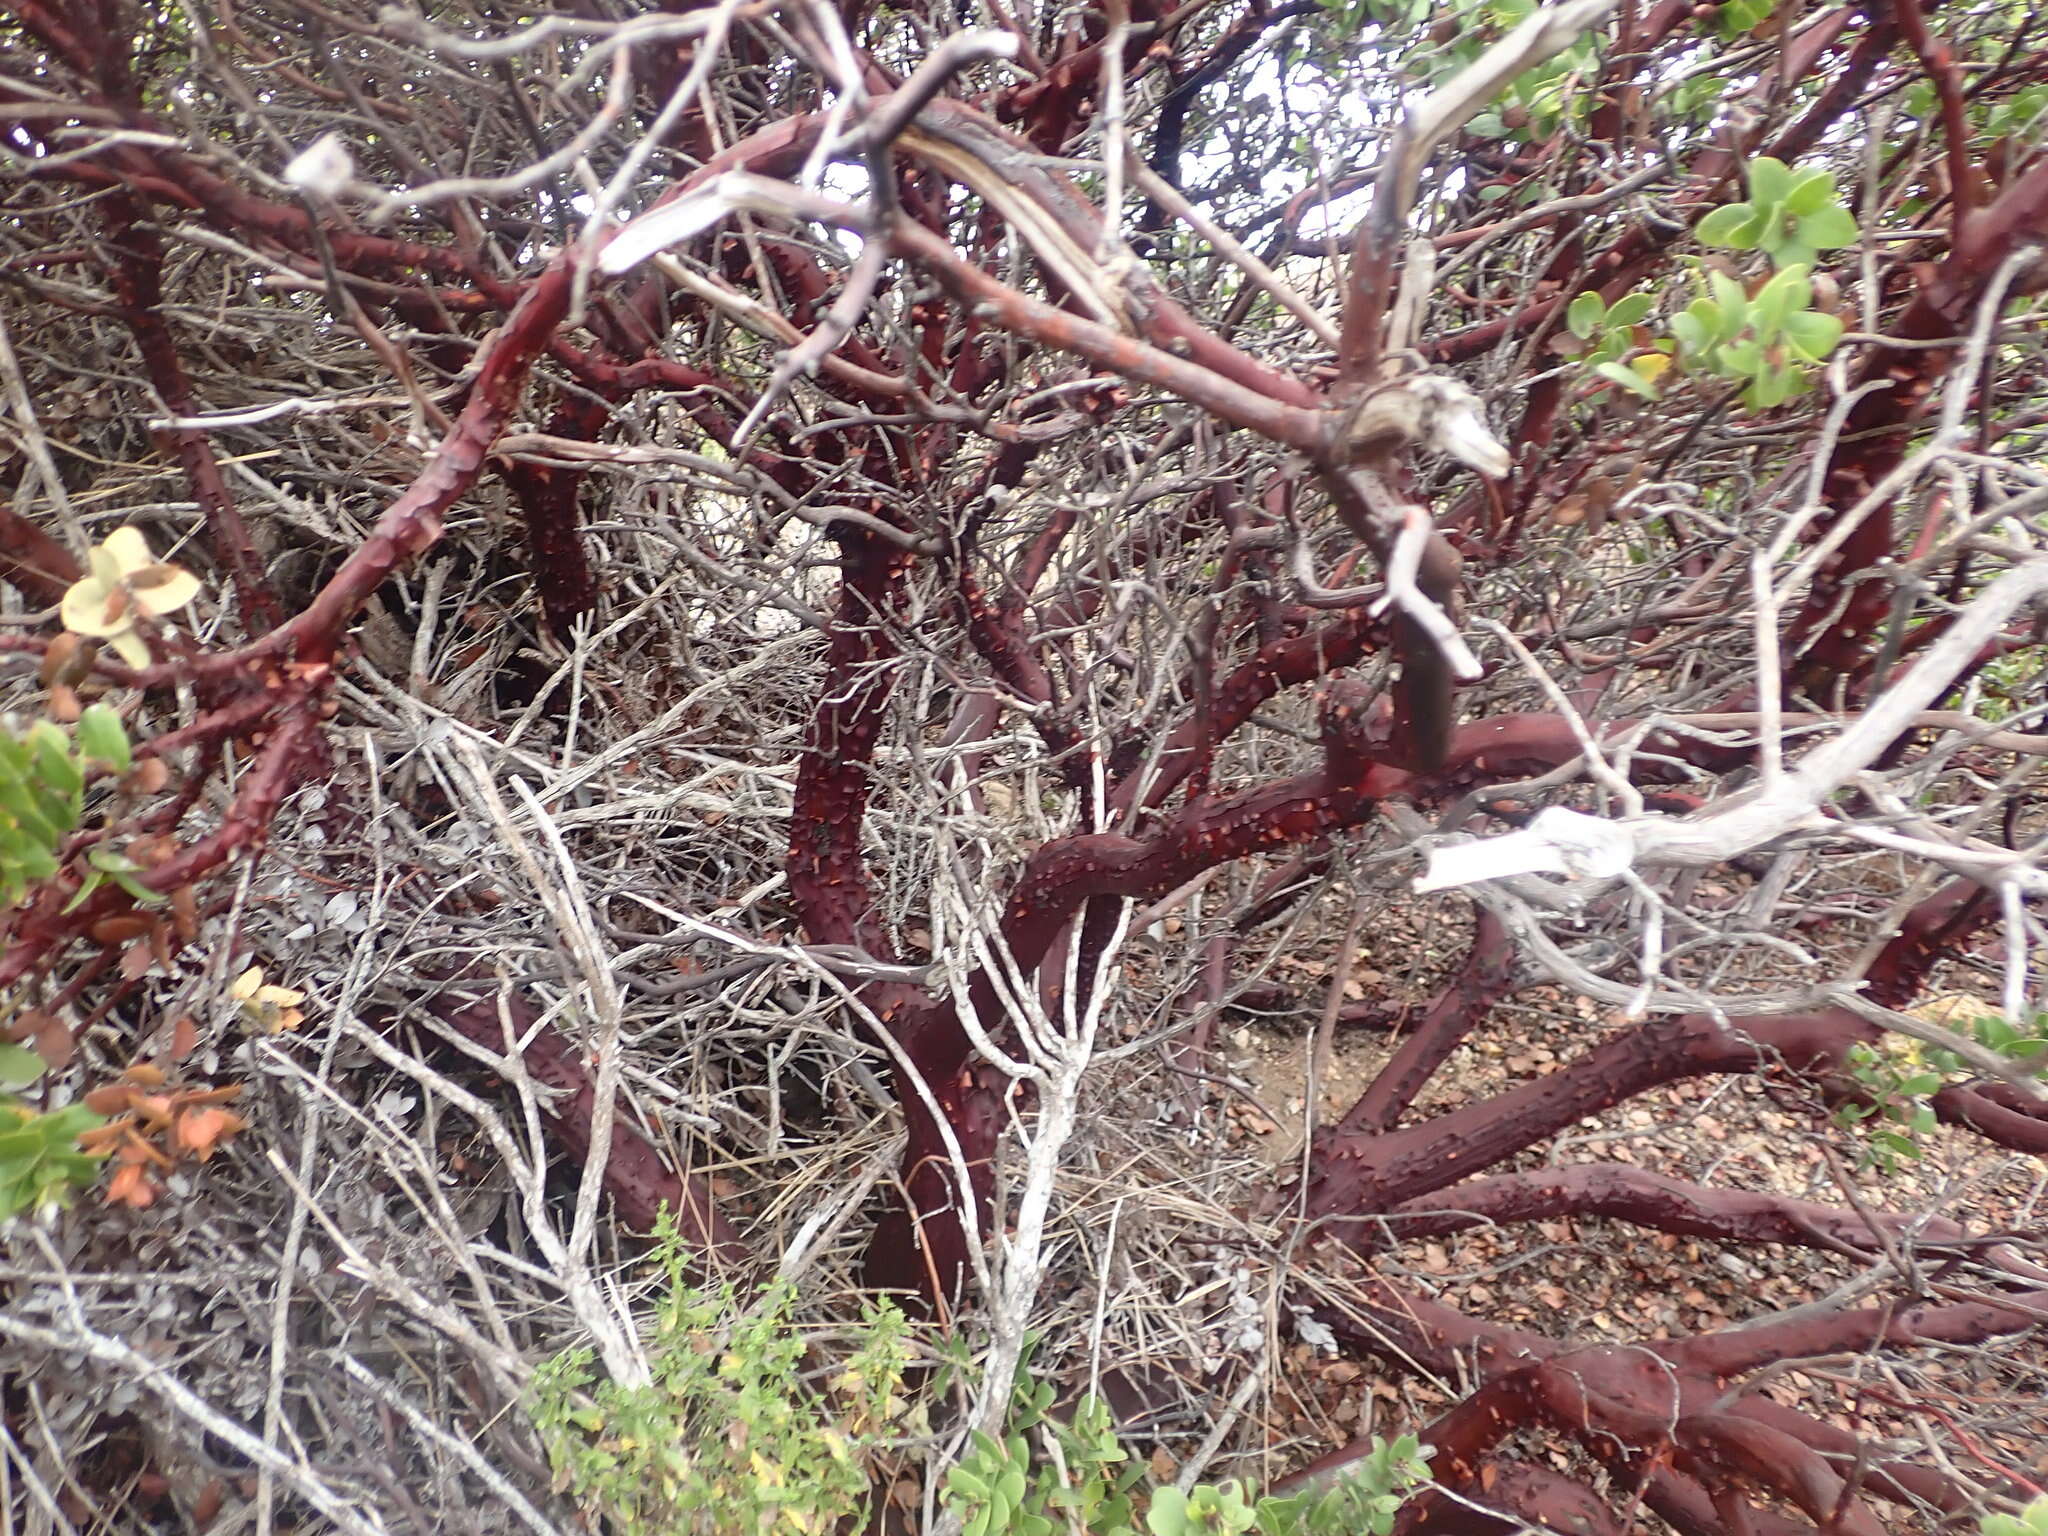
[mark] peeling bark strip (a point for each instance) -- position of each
(412, 524)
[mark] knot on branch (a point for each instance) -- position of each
(1427, 410)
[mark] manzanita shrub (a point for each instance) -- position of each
(1010, 542)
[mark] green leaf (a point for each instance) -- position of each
(1777, 385)
(1768, 312)
(1725, 224)
(1791, 289)
(1693, 335)
(28, 813)
(1585, 314)
(1994, 1032)
(52, 753)
(1628, 379)
(963, 1484)
(58, 808)
(141, 894)
(1813, 332)
(1829, 228)
(1894, 1142)
(1729, 294)
(1168, 1515)
(1629, 309)
(40, 1163)
(101, 736)
(36, 863)
(1770, 181)
(1811, 192)
(19, 1066)
(86, 887)
(1742, 358)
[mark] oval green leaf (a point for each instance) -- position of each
(1770, 181)
(1811, 192)
(101, 736)
(1725, 224)
(1628, 379)
(1813, 332)
(1629, 309)
(19, 1066)
(1830, 228)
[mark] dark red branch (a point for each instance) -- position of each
(1510, 1499)
(1948, 1322)
(1363, 1174)
(1279, 418)
(1842, 617)
(635, 1176)
(1273, 668)
(828, 874)
(1938, 59)
(277, 771)
(925, 1245)
(412, 524)
(1997, 1114)
(138, 283)
(37, 565)
(1484, 979)
(547, 495)
(1624, 1192)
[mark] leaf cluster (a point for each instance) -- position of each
(1083, 1481)
(43, 772)
(41, 1162)
(1768, 340)
(1896, 1084)
(1792, 215)
(728, 1435)
(2023, 114)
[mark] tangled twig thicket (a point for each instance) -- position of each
(807, 607)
